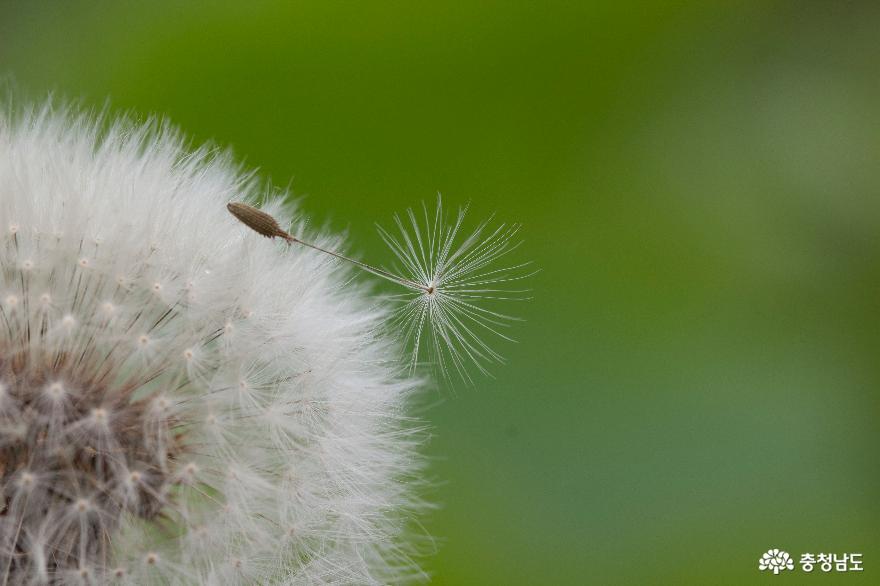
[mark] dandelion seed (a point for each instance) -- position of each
(450, 281)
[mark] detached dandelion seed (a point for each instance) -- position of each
(449, 281)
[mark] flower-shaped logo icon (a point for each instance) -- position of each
(775, 560)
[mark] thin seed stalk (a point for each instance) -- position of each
(265, 225)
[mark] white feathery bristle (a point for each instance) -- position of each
(182, 401)
(448, 315)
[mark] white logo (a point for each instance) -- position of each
(775, 560)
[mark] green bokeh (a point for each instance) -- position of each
(697, 379)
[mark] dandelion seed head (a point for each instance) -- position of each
(162, 372)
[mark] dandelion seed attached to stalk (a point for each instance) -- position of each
(449, 281)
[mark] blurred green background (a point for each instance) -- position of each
(697, 379)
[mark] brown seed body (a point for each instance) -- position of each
(258, 221)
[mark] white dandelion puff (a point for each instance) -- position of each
(458, 280)
(179, 403)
